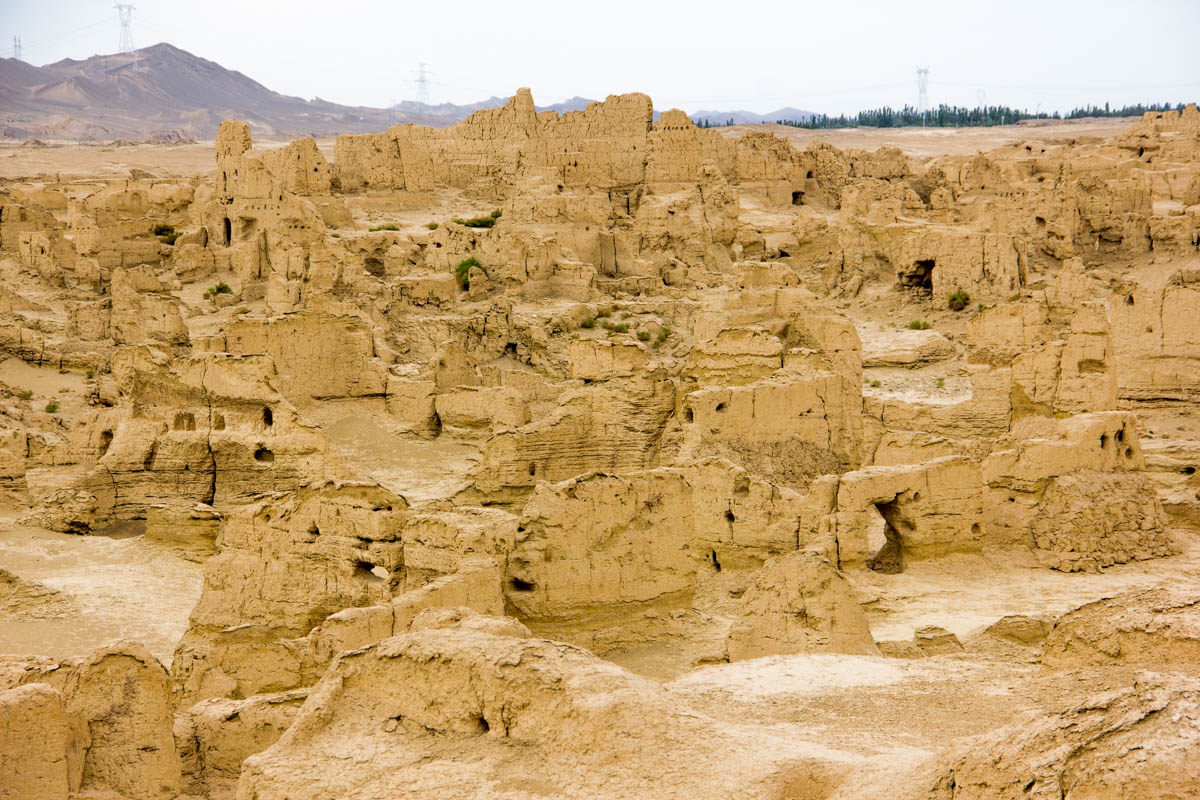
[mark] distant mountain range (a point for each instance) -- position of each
(449, 113)
(787, 114)
(162, 93)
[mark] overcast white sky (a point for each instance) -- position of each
(831, 56)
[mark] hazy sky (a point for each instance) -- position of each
(832, 56)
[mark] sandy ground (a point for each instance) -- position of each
(122, 588)
(23, 162)
(71, 160)
(367, 441)
(929, 142)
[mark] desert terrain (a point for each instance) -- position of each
(585, 455)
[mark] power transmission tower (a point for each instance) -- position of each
(922, 92)
(125, 12)
(17, 48)
(422, 84)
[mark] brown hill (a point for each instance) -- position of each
(165, 93)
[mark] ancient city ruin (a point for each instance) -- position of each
(594, 456)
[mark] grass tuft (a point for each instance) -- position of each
(463, 270)
(476, 222)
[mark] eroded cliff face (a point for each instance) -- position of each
(442, 410)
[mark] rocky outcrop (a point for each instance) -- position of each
(34, 740)
(799, 603)
(1130, 742)
(98, 725)
(1157, 628)
(423, 701)
(1077, 495)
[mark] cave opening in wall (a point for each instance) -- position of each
(888, 557)
(228, 232)
(371, 572)
(919, 277)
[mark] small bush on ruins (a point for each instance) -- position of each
(464, 269)
(51, 407)
(603, 311)
(433, 226)
(663, 335)
(941, 383)
(496, 214)
(588, 322)
(620, 327)
(958, 300)
(388, 227)
(643, 336)
(918, 325)
(337, 235)
(166, 233)
(876, 384)
(25, 395)
(221, 288)
(91, 373)
(476, 222)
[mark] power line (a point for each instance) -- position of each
(922, 92)
(422, 84)
(17, 48)
(125, 13)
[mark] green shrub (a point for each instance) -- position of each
(620, 327)
(1012, 298)
(337, 235)
(433, 226)
(496, 214)
(463, 270)
(876, 384)
(941, 383)
(643, 336)
(51, 407)
(388, 227)
(958, 301)
(221, 288)
(166, 233)
(663, 335)
(476, 222)
(588, 322)
(980, 307)
(603, 311)
(25, 395)
(918, 325)
(91, 373)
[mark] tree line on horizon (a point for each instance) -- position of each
(946, 116)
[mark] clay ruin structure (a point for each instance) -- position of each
(599, 455)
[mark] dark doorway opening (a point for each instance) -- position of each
(889, 559)
(919, 276)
